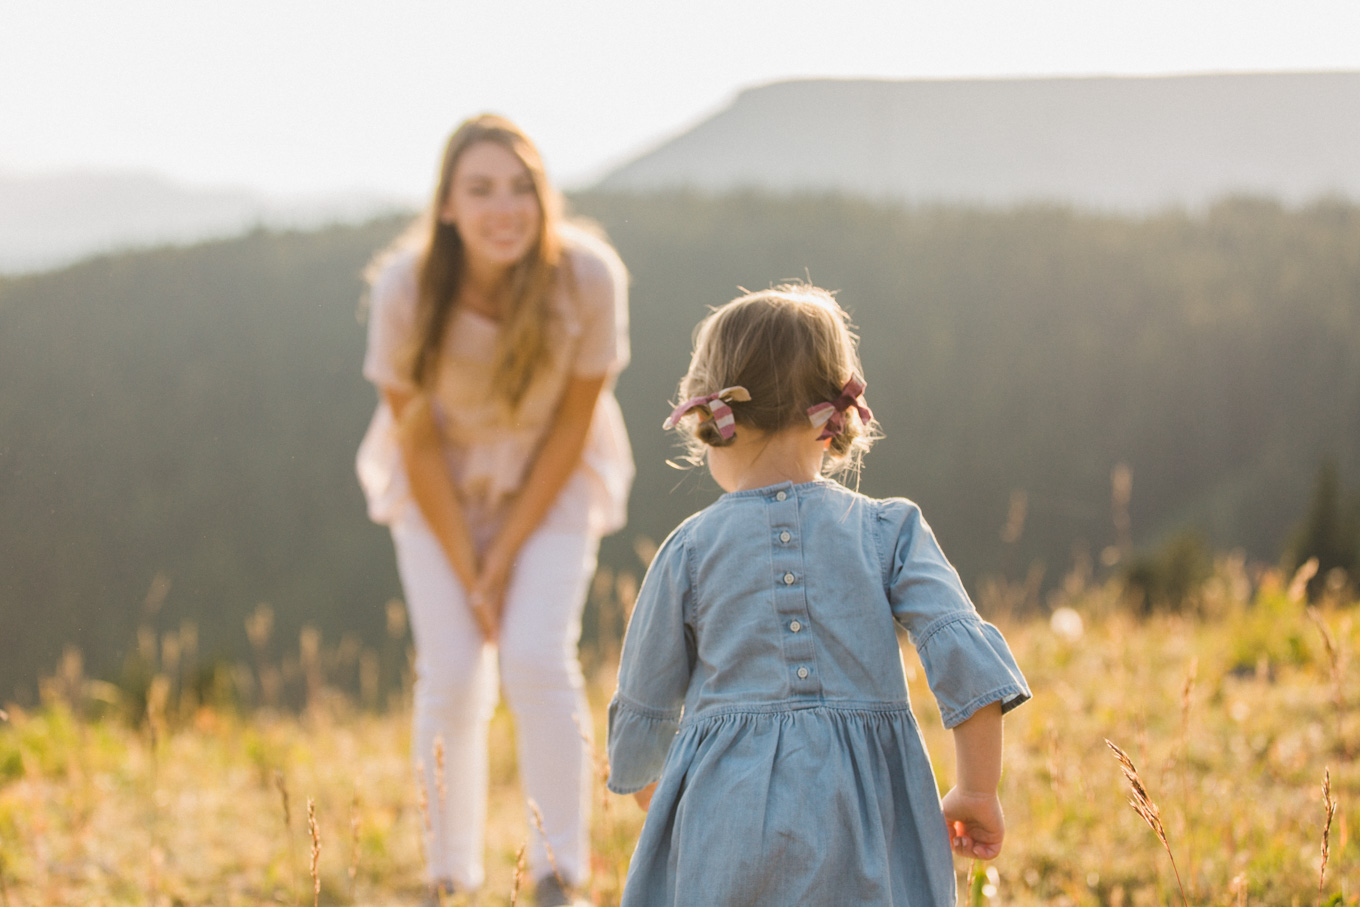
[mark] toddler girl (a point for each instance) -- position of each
(762, 703)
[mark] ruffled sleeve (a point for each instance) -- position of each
(391, 323)
(967, 661)
(969, 665)
(602, 287)
(654, 672)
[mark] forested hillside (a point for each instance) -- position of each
(192, 414)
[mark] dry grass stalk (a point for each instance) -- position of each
(1238, 889)
(547, 845)
(157, 697)
(1298, 586)
(441, 789)
(1329, 806)
(156, 868)
(1143, 804)
(315, 832)
(354, 827)
(423, 796)
(1187, 695)
(1336, 668)
(309, 656)
(519, 875)
(281, 785)
(606, 802)
(1186, 692)
(259, 629)
(282, 788)
(1329, 643)
(608, 819)
(982, 881)
(1054, 765)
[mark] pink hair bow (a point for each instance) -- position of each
(831, 416)
(716, 404)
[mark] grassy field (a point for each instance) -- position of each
(1232, 718)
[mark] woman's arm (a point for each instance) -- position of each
(972, 809)
(554, 463)
(435, 494)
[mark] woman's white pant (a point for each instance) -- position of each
(456, 692)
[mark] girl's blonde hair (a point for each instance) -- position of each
(523, 343)
(791, 347)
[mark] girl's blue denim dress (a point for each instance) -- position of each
(762, 683)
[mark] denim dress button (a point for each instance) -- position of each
(802, 673)
(781, 496)
(795, 626)
(789, 579)
(784, 536)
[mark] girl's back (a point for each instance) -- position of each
(769, 616)
(788, 598)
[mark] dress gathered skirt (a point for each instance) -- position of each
(822, 792)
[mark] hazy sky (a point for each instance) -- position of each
(299, 96)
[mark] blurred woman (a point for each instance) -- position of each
(498, 458)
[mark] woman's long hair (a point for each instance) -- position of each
(523, 344)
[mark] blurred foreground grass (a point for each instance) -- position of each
(1231, 714)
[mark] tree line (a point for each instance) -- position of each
(189, 415)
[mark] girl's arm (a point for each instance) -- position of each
(434, 492)
(972, 809)
(655, 669)
(643, 798)
(556, 460)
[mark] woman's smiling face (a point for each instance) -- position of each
(494, 205)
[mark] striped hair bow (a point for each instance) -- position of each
(831, 415)
(716, 404)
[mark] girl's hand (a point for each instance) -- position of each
(976, 826)
(487, 596)
(644, 796)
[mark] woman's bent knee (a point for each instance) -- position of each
(530, 673)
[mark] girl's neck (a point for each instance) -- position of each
(755, 459)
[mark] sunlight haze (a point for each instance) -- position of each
(322, 97)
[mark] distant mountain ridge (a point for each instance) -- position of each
(1122, 143)
(53, 219)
